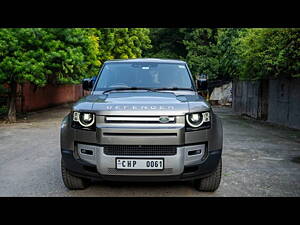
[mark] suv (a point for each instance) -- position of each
(143, 121)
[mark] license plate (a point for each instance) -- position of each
(140, 164)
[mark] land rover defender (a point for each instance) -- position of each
(143, 121)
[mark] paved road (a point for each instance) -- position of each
(258, 160)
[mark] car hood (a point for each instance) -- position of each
(142, 103)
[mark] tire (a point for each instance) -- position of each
(211, 183)
(72, 182)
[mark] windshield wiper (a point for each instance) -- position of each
(174, 89)
(128, 88)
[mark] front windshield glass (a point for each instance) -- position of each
(143, 75)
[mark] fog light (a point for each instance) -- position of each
(87, 152)
(195, 152)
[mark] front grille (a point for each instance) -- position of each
(140, 150)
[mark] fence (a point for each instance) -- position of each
(284, 102)
(250, 98)
(274, 100)
(32, 98)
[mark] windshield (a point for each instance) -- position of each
(143, 75)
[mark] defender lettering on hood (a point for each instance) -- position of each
(140, 107)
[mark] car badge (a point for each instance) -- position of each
(164, 119)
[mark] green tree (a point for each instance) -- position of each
(268, 52)
(39, 56)
(203, 54)
(227, 56)
(122, 43)
(167, 43)
(244, 53)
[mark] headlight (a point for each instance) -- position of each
(198, 120)
(85, 119)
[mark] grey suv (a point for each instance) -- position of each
(143, 121)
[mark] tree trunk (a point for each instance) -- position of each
(12, 103)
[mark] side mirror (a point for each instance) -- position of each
(87, 84)
(202, 84)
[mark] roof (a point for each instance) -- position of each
(146, 60)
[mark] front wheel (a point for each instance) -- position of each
(211, 183)
(72, 182)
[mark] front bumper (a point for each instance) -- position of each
(177, 167)
(183, 171)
